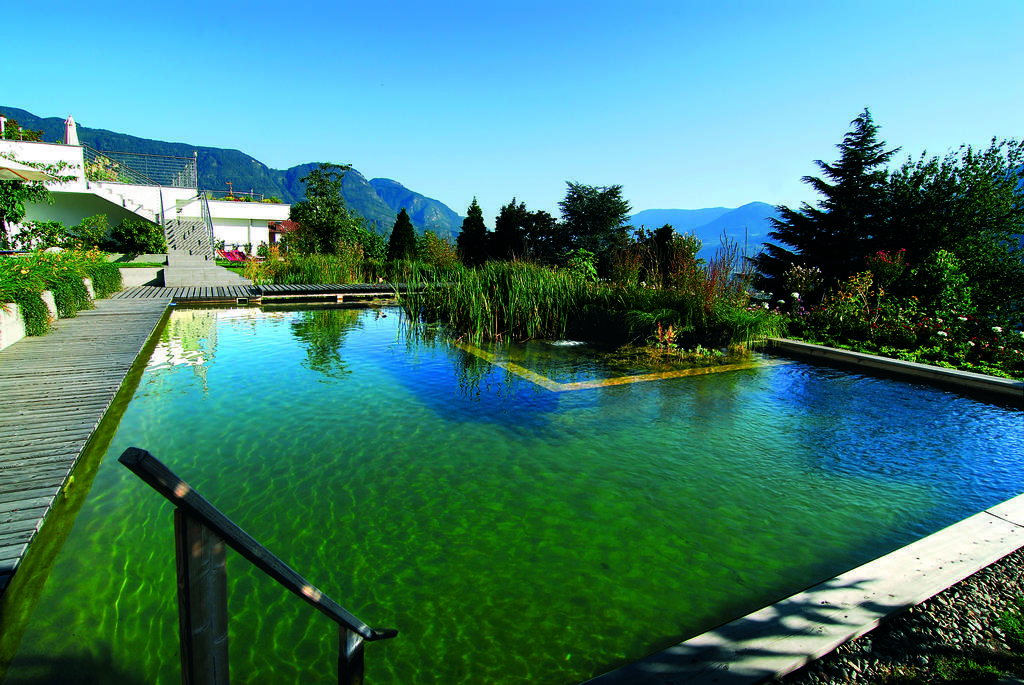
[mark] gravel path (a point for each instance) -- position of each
(960, 620)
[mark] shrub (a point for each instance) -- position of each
(138, 236)
(40, 235)
(583, 263)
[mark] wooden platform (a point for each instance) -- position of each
(256, 294)
(54, 390)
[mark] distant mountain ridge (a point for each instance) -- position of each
(747, 225)
(378, 200)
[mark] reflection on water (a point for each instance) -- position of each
(322, 332)
(511, 533)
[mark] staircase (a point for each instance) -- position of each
(190, 259)
(111, 195)
(191, 270)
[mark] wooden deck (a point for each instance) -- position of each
(54, 390)
(255, 294)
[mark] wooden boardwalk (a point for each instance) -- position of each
(54, 390)
(261, 293)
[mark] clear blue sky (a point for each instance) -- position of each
(685, 104)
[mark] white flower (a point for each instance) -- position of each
(961, 318)
(766, 307)
(971, 343)
(782, 302)
(997, 329)
(795, 296)
(939, 320)
(943, 334)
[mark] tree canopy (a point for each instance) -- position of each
(594, 217)
(324, 219)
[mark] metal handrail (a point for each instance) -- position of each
(218, 194)
(198, 510)
(208, 222)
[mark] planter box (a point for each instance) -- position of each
(12, 326)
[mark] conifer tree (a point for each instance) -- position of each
(472, 241)
(402, 244)
(837, 234)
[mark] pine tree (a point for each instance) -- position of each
(402, 244)
(472, 241)
(836, 235)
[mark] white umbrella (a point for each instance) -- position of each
(70, 131)
(16, 171)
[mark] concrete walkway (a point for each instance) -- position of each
(54, 390)
(783, 637)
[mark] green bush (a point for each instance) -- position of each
(92, 233)
(40, 234)
(138, 236)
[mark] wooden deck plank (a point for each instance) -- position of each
(54, 391)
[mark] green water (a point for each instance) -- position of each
(510, 533)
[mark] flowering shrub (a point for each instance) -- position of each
(862, 315)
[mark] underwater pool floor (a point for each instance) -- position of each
(529, 500)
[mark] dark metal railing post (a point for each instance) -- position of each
(350, 657)
(202, 602)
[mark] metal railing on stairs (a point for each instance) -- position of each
(201, 533)
(194, 236)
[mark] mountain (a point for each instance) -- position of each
(430, 214)
(378, 200)
(748, 225)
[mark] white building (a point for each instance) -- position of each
(159, 189)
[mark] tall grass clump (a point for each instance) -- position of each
(500, 301)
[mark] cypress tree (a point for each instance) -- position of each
(472, 241)
(402, 244)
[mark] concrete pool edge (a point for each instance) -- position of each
(1005, 389)
(785, 636)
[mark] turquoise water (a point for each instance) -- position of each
(512, 534)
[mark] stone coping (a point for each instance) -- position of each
(785, 636)
(1004, 389)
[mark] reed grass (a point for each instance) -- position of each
(500, 301)
(521, 301)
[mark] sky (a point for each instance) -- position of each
(684, 104)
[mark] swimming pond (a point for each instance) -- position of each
(512, 531)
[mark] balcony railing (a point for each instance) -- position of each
(140, 169)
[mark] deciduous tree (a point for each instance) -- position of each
(324, 219)
(969, 203)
